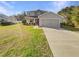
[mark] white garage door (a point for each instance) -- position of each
(51, 23)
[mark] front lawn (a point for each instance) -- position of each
(22, 40)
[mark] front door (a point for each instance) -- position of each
(37, 21)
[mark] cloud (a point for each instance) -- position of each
(8, 12)
(58, 5)
(3, 10)
(6, 8)
(7, 4)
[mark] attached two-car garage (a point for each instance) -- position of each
(50, 20)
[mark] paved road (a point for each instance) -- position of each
(63, 42)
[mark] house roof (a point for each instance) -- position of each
(31, 17)
(54, 15)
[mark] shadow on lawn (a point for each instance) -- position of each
(70, 28)
(7, 23)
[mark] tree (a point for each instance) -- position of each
(72, 15)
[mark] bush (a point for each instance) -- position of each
(62, 24)
(6, 23)
(66, 24)
(24, 22)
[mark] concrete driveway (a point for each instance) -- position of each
(63, 42)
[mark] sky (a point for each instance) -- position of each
(15, 7)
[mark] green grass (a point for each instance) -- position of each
(21, 40)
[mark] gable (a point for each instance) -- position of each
(50, 15)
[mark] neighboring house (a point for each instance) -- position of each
(8, 20)
(2, 17)
(50, 20)
(12, 19)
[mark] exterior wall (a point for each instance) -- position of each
(12, 19)
(51, 23)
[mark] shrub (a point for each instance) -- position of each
(24, 22)
(6, 23)
(66, 24)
